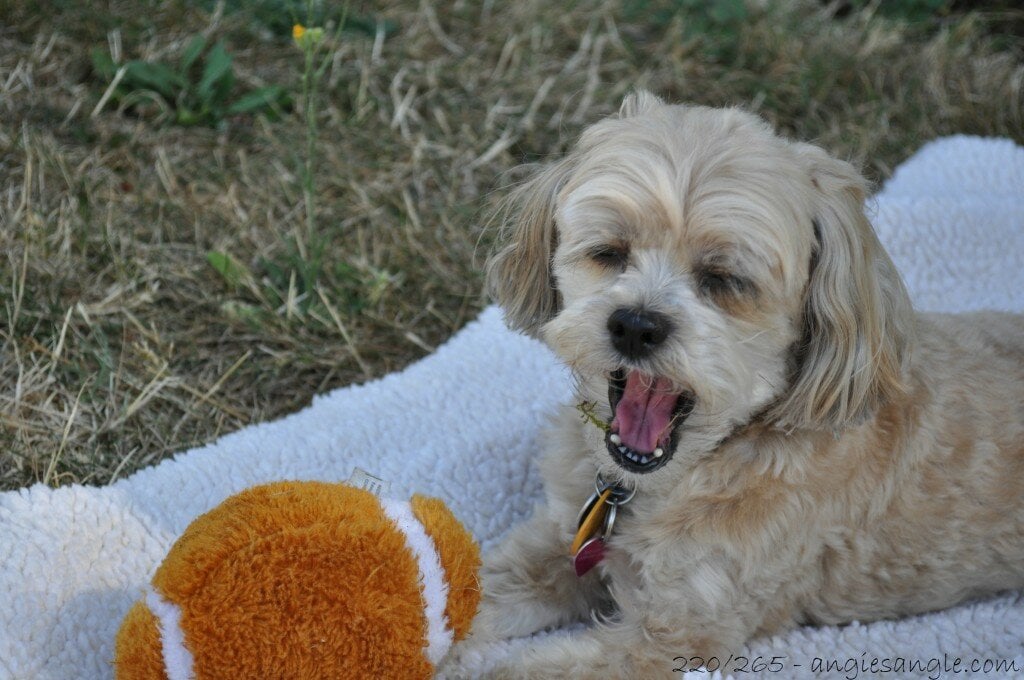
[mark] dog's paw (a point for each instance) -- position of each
(517, 618)
(496, 622)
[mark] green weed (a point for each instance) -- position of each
(293, 281)
(586, 409)
(199, 90)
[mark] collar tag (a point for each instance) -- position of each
(594, 526)
(592, 519)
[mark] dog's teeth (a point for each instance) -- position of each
(615, 439)
(634, 456)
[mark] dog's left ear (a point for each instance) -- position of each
(857, 315)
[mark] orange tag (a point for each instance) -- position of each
(592, 521)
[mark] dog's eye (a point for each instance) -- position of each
(611, 256)
(716, 282)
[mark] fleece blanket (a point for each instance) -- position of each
(462, 424)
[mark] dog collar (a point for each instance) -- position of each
(595, 522)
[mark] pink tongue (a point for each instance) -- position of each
(644, 413)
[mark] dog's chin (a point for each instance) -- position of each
(646, 421)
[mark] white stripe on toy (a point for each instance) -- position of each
(178, 661)
(432, 576)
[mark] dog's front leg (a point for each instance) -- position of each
(528, 583)
(627, 648)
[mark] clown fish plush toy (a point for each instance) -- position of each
(306, 580)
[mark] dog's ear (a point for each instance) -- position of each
(638, 102)
(519, 272)
(857, 318)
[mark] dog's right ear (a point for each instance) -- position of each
(519, 272)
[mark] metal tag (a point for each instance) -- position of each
(588, 556)
(591, 519)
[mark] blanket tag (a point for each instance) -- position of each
(361, 479)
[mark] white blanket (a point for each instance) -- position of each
(462, 424)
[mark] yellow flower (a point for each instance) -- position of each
(306, 38)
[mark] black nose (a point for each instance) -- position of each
(635, 333)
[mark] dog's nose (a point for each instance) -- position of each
(635, 332)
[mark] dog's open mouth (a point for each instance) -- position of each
(646, 415)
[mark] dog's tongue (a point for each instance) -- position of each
(644, 412)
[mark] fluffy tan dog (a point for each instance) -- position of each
(803, 446)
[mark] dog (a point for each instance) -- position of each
(799, 445)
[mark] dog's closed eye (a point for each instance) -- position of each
(611, 256)
(716, 283)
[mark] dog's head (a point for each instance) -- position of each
(698, 272)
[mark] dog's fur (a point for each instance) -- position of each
(845, 459)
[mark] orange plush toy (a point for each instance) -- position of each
(306, 580)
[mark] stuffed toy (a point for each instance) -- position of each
(306, 580)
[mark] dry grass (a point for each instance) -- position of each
(120, 344)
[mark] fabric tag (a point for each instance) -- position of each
(361, 479)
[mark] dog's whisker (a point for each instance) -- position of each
(753, 337)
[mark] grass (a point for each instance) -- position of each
(157, 289)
